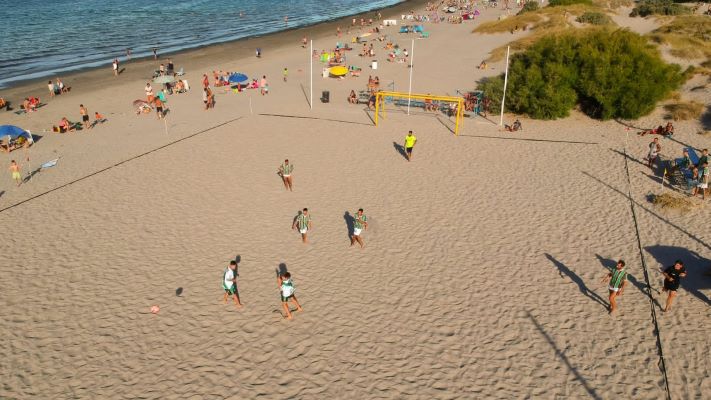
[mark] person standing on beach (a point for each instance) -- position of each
(304, 42)
(704, 158)
(285, 171)
(155, 53)
(285, 73)
(50, 86)
(654, 149)
(149, 92)
(115, 66)
(264, 85)
(672, 280)
(84, 116)
(287, 290)
(303, 223)
(410, 141)
(15, 170)
(703, 180)
(229, 284)
(128, 53)
(616, 280)
(205, 81)
(360, 224)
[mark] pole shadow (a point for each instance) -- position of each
(306, 95)
(563, 358)
(627, 156)
(400, 149)
(625, 195)
(697, 268)
(564, 270)
(350, 223)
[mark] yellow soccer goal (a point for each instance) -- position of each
(426, 101)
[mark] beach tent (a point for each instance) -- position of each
(13, 132)
(238, 78)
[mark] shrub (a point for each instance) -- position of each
(658, 7)
(610, 74)
(594, 18)
(683, 111)
(531, 5)
(555, 3)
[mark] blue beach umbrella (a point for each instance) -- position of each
(238, 78)
(14, 132)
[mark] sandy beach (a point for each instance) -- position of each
(481, 272)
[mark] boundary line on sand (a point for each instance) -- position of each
(662, 364)
(119, 163)
(307, 117)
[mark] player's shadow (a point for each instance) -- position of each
(697, 268)
(610, 264)
(564, 270)
(237, 260)
(281, 269)
(400, 149)
(350, 223)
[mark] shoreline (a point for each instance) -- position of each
(195, 57)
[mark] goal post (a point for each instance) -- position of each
(380, 104)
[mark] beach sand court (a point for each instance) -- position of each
(480, 277)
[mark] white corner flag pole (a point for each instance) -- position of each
(311, 57)
(412, 66)
(506, 80)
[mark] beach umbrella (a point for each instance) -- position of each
(238, 78)
(338, 70)
(14, 132)
(163, 79)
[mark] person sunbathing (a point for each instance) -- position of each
(63, 126)
(98, 118)
(669, 129)
(515, 127)
(352, 98)
(482, 65)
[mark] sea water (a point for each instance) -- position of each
(43, 38)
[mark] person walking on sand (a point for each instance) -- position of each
(287, 290)
(115, 66)
(159, 107)
(410, 141)
(303, 223)
(15, 170)
(285, 73)
(616, 280)
(285, 171)
(304, 42)
(84, 116)
(360, 224)
(229, 284)
(654, 149)
(155, 53)
(672, 280)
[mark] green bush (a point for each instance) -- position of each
(658, 7)
(594, 18)
(609, 74)
(554, 3)
(531, 5)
